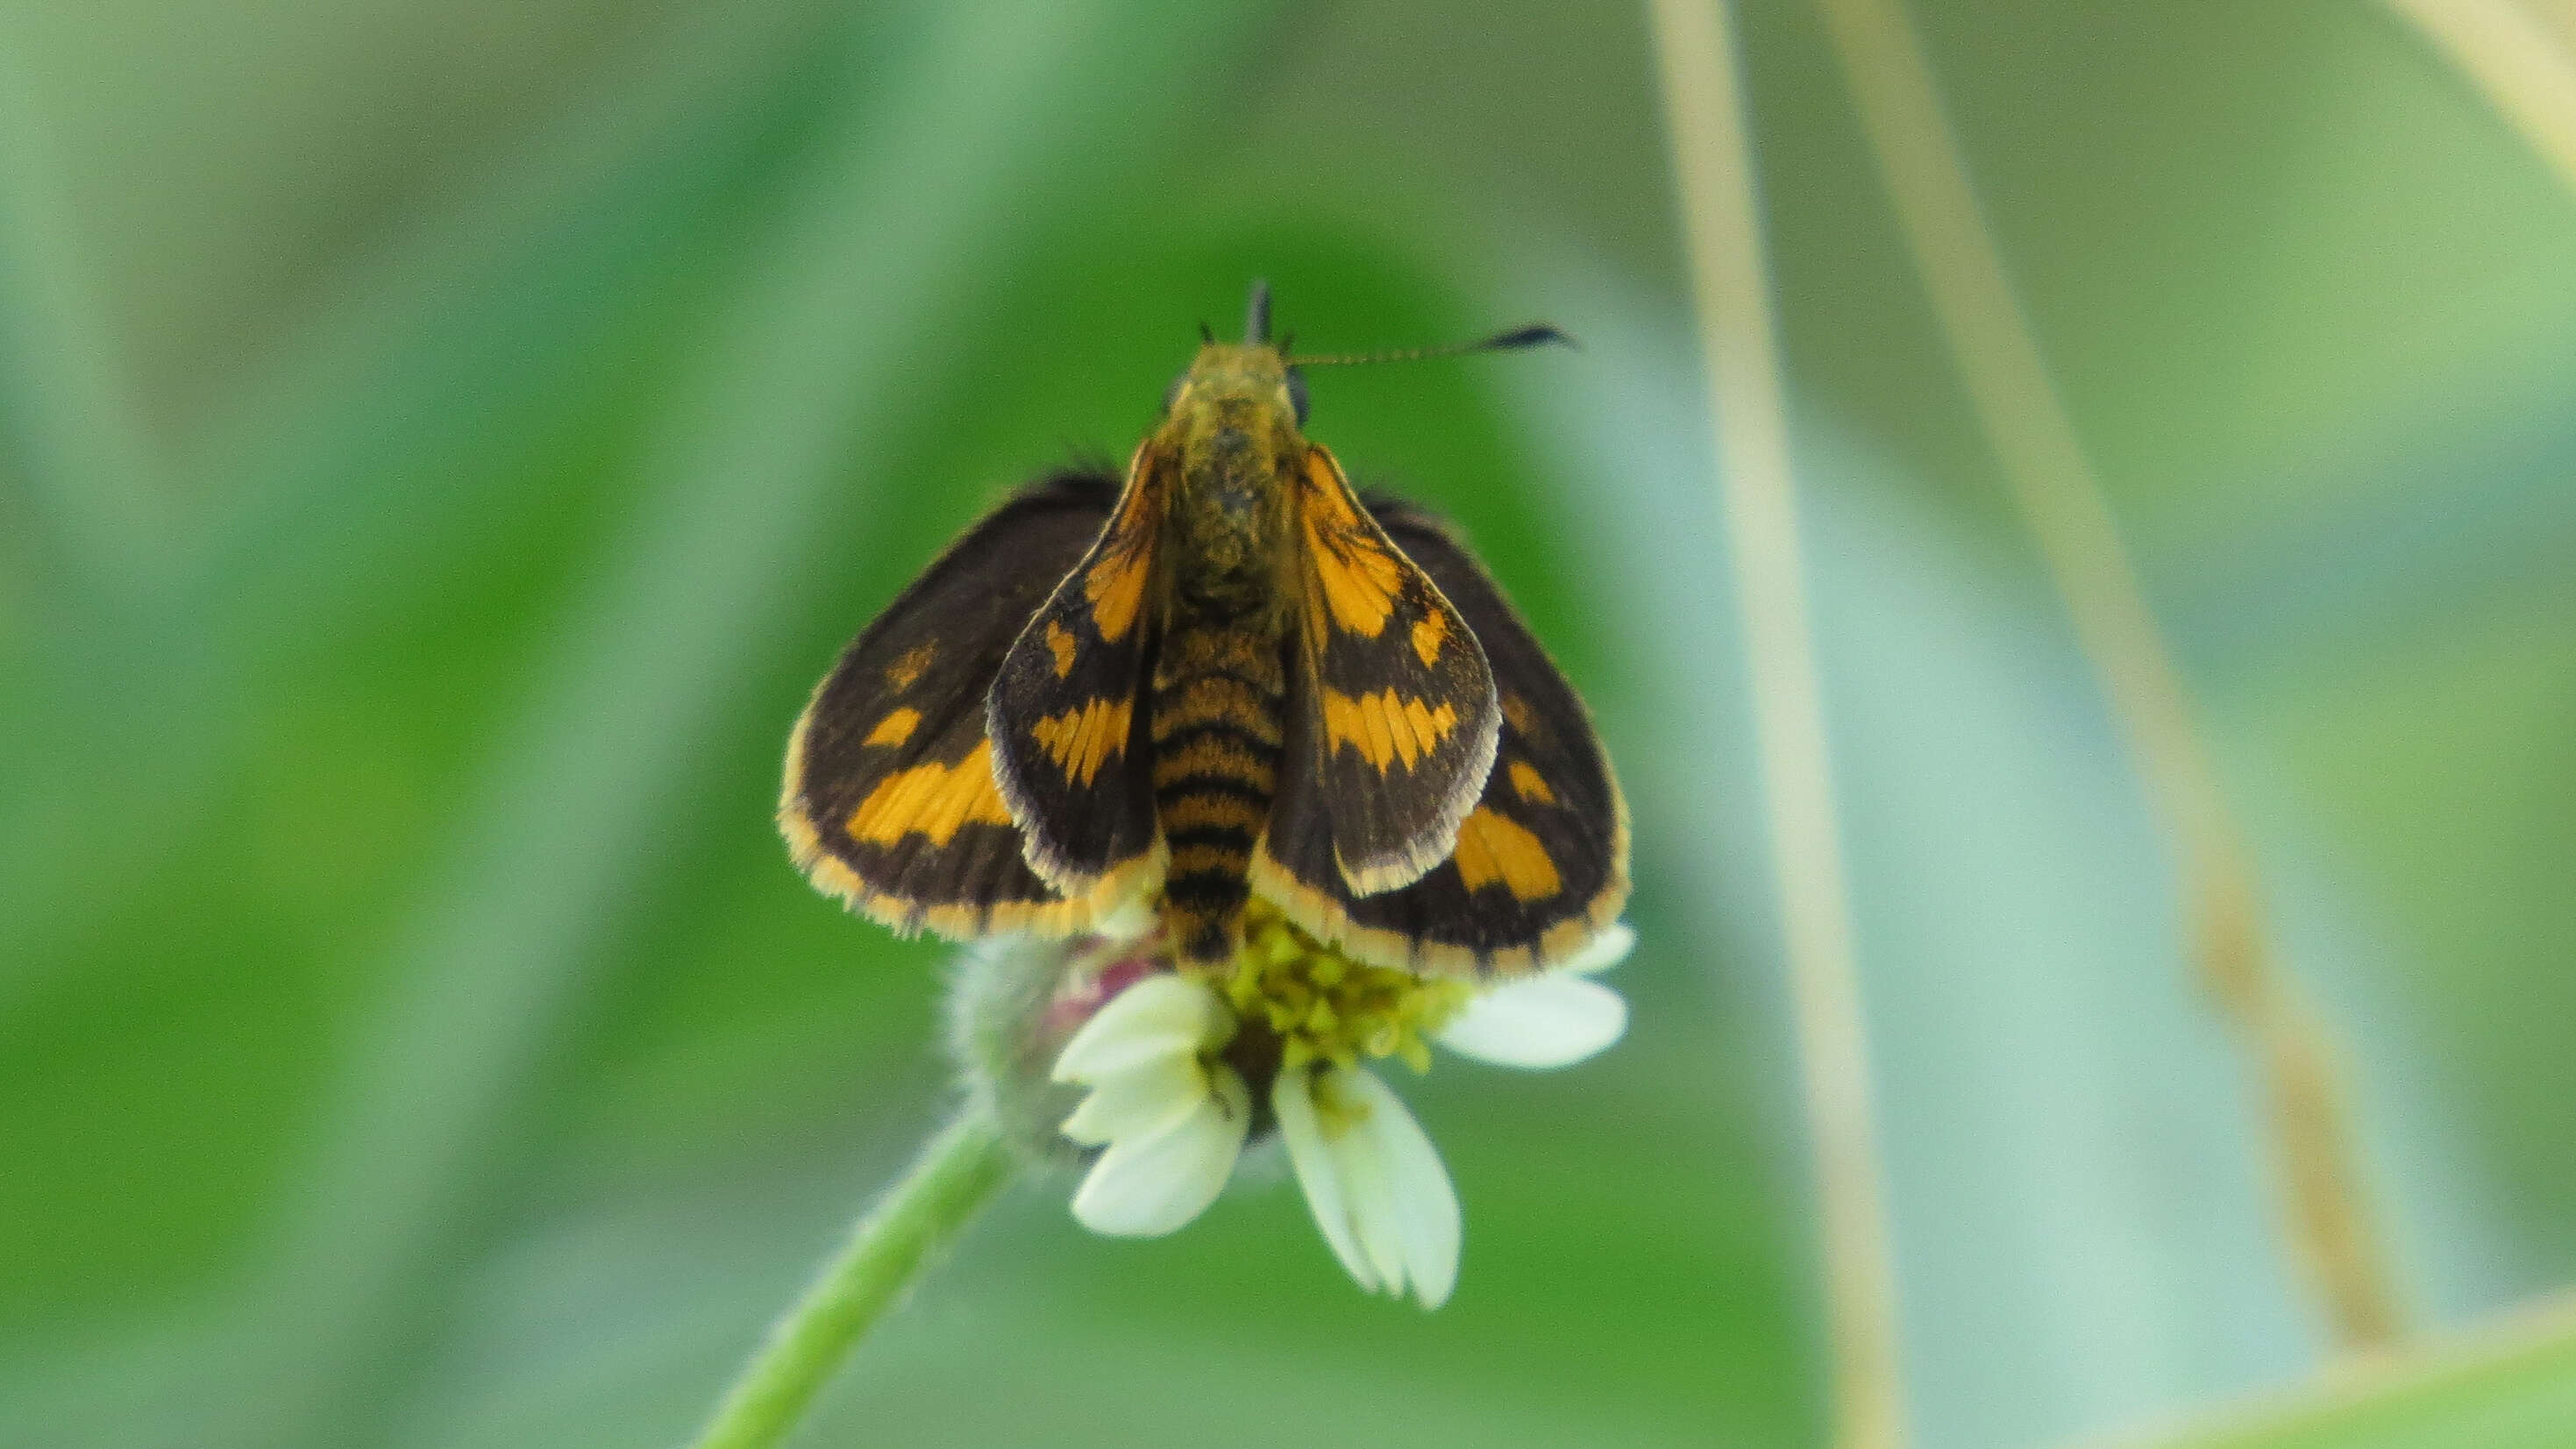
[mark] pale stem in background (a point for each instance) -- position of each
(2516, 61)
(958, 1172)
(2062, 503)
(84, 457)
(1721, 223)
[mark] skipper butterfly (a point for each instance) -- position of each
(1227, 674)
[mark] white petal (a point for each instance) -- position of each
(1292, 1101)
(1605, 951)
(1546, 1021)
(1368, 1184)
(1144, 1187)
(1411, 1208)
(1161, 1016)
(1142, 1101)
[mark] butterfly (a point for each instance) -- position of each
(1225, 675)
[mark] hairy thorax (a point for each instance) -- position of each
(1235, 434)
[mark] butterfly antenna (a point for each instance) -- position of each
(1536, 334)
(1256, 314)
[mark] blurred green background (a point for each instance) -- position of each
(440, 446)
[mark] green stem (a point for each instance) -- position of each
(958, 1172)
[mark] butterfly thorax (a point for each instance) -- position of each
(1219, 693)
(1229, 440)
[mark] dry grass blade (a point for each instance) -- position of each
(2061, 500)
(1721, 221)
(2524, 69)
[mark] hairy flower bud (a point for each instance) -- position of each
(1013, 1003)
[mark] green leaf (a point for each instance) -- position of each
(2512, 1386)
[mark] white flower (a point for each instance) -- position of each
(1172, 1115)
(1171, 1119)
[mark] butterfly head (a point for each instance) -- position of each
(1230, 440)
(1241, 380)
(1236, 384)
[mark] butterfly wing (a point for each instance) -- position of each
(889, 801)
(1540, 864)
(1072, 746)
(1392, 715)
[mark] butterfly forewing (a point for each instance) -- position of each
(1540, 863)
(889, 800)
(1071, 738)
(1392, 714)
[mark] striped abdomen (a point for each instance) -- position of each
(1220, 694)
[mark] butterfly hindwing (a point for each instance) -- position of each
(1540, 864)
(890, 801)
(1072, 749)
(1392, 714)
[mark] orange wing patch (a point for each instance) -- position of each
(1061, 645)
(1357, 577)
(1428, 635)
(901, 674)
(895, 728)
(1122, 563)
(1080, 741)
(1115, 589)
(1492, 848)
(1530, 785)
(1386, 728)
(932, 799)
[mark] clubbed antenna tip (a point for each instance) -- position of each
(1536, 334)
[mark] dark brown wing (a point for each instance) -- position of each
(889, 801)
(1391, 711)
(1540, 866)
(1072, 749)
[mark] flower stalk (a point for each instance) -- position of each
(958, 1172)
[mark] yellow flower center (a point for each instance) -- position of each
(1326, 1007)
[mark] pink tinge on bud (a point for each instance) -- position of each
(1083, 997)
